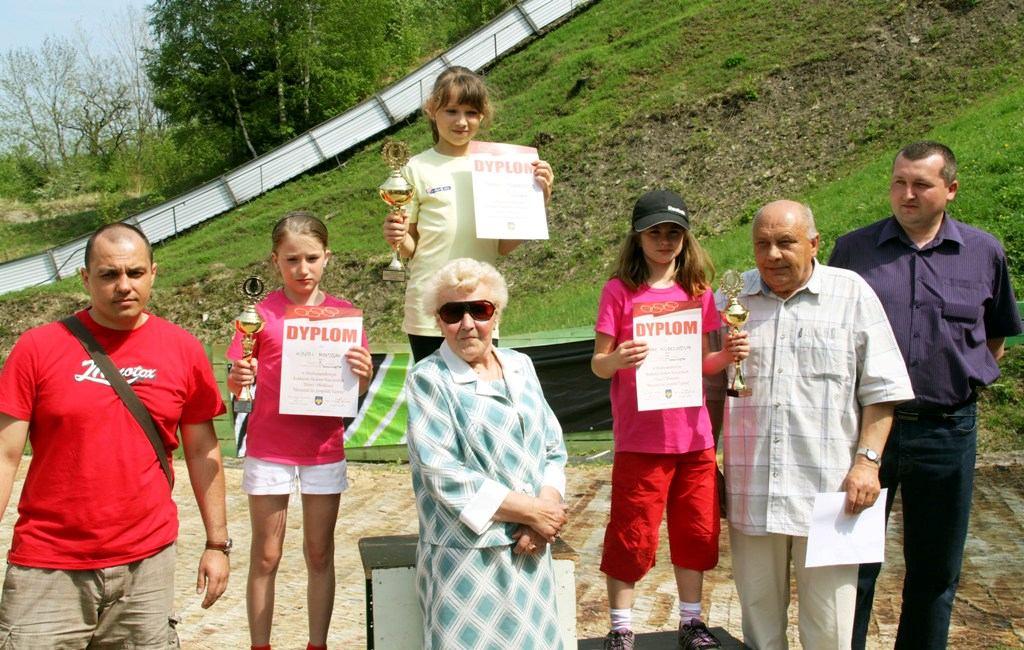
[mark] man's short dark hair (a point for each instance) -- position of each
(928, 148)
(115, 226)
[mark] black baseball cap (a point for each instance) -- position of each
(660, 206)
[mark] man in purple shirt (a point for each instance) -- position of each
(946, 289)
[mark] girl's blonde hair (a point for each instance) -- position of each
(458, 85)
(694, 269)
(298, 222)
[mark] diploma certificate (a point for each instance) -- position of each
(837, 538)
(315, 377)
(670, 376)
(507, 201)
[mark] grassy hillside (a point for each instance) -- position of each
(732, 103)
(44, 206)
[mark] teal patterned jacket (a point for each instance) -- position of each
(469, 447)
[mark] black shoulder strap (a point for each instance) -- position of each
(123, 390)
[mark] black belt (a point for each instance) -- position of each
(923, 412)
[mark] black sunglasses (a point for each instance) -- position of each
(479, 310)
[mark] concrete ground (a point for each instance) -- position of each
(989, 610)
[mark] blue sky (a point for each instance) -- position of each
(25, 23)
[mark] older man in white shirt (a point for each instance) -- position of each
(825, 373)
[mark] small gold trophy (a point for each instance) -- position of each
(734, 315)
(249, 324)
(396, 192)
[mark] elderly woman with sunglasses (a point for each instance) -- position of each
(488, 470)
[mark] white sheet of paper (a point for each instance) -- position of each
(315, 377)
(507, 201)
(838, 538)
(670, 376)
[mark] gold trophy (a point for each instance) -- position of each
(734, 315)
(249, 324)
(396, 192)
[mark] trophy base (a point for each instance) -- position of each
(242, 406)
(393, 275)
(739, 392)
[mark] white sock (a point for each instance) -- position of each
(688, 612)
(622, 619)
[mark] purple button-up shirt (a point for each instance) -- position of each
(944, 302)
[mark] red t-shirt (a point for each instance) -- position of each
(269, 435)
(665, 431)
(95, 495)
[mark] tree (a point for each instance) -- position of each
(37, 99)
(131, 40)
(64, 100)
(268, 69)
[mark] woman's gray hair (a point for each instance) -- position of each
(464, 275)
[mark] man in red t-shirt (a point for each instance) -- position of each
(92, 557)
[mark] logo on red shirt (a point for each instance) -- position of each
(131, 374)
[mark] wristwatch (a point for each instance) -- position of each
(870, 454)
(224, 547)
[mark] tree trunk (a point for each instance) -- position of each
(282, 115)
(305, 63)
(238, 108)
(241, 122)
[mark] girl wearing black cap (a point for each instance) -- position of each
(664, 459)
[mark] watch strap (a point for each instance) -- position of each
(870, 454)
(223, 547)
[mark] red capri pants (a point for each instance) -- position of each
(642, 486)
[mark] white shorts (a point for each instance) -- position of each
(266, 477)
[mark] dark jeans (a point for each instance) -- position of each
(931, 461)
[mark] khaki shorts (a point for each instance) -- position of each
(126, 606)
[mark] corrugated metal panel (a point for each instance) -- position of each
(210, 200)
(406, 97)
(479, 49)
(474, 58)
(69, 257)
(291, 159)
(163, 223)
(26, 272)
(545, 12)
(215, 200)
(156, 215)
(245, 181)
(297, 157)
(513, 35)
(351, 128)
(274, 168)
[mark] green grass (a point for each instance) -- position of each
(989, 142)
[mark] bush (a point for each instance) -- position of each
(20, 175)
(182, 157)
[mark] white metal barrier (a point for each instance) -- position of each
(363, 122)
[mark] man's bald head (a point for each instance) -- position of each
(800, 211)
(117, 232)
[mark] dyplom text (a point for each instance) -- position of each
(503, 166)
(665, 328)
(320, 333)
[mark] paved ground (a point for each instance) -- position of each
(989, 611)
